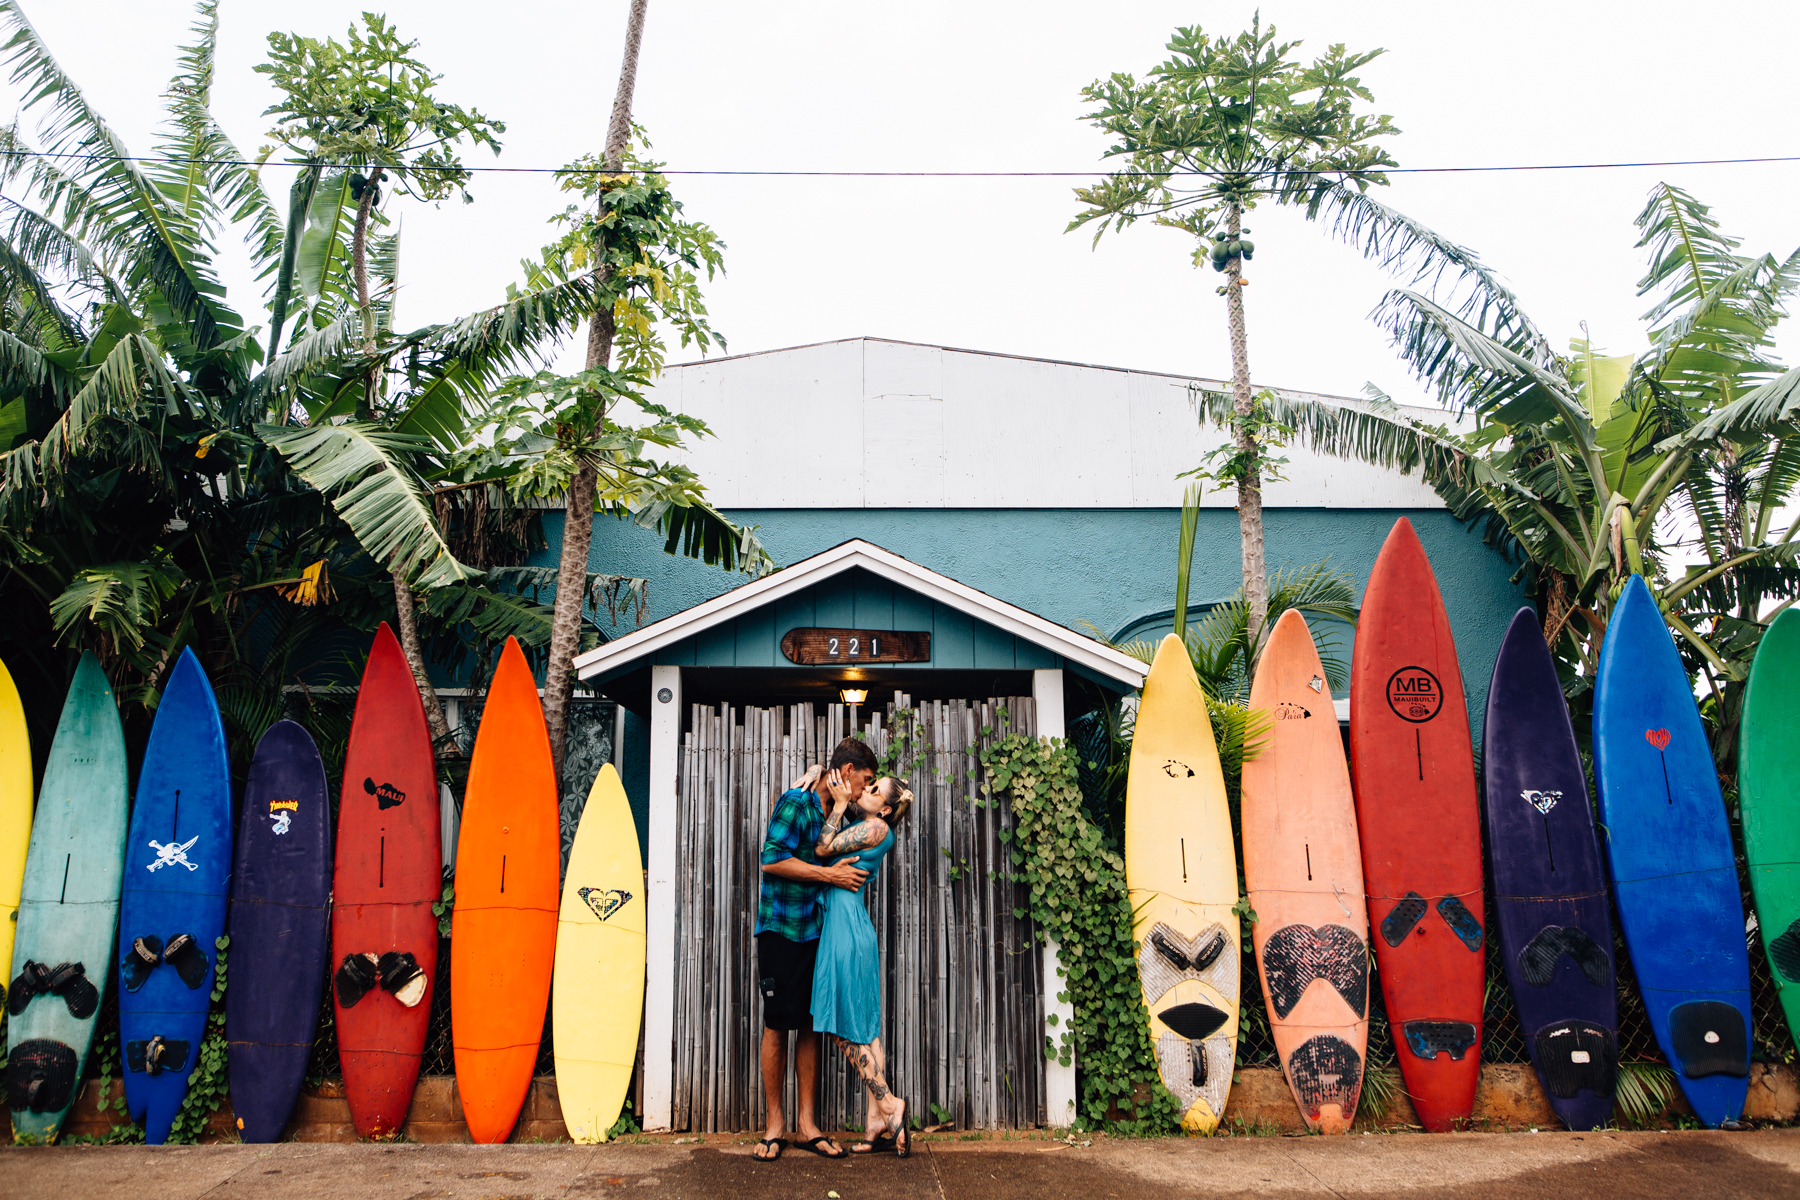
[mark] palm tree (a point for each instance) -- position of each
(1218, 126)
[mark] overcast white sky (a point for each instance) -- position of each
(982, 85)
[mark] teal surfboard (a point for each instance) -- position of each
(62, 956)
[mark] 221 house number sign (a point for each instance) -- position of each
(812, 647)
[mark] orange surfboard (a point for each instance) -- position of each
(503, 929)
(1303, 874)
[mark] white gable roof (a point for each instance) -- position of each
(1074, 647)
(872, 423)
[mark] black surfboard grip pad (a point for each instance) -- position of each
(140, 960)
(40, 1076)
(1710, 1039)
(1195, 1022)
(1428, 1039)
(189, 960)
(1326, 1070)
(1461, 921)
(354, 978)
(174, 1056)
(1537, 961)
(1578, 1054)
(1784, 952)
(66, 980)
(1398, 923)
(1295, 955)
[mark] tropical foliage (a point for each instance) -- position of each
(1221, 124)
(1587, 469)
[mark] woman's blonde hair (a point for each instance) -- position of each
(899, 798)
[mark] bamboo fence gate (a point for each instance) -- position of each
(962, 1015)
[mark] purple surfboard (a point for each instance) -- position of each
(279, 926)
(1549, 888)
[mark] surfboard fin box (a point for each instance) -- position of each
(1428, 1039)
(156, 1055)
(1578, 1054)
(1537, 961)
(67, 980)
(1295, 955)
(1709, 1039)
(1461, 921)
(401, 977)
(140, 960)
(1784, 952)
(40, 1076)
(1400, 921)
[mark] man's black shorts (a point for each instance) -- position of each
(785, 977)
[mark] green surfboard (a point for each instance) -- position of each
(1769, 797)
(70, 906)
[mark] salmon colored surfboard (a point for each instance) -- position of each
(1414, 770)
(1181, 869)
(508, 856)
(598, 995)
(1303, 875)
(385, 880)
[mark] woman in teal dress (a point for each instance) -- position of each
(846, 1000)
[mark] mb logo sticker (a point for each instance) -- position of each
(1414, 694)
(386, 794)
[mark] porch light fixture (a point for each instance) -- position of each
(853, 695)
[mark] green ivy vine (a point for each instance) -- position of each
(1077, 898)
(208, 1084)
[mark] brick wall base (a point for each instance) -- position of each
(1509, 1097)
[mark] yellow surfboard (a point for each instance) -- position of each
(598, 995)
(1181, 868)
(15, 815)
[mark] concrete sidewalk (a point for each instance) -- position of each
(1618, 1166)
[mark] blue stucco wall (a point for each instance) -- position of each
(1109, 567)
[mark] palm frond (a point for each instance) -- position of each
(366, 473)
(322, 260)
(1645, 1091)
(698, 530)
(120, 600)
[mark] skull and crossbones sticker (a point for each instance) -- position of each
(174, 854)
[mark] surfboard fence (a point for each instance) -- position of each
(962, 1007)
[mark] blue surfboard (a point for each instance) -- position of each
(280, 926)
(1668, 844)
(177, 862)
(1549, 887)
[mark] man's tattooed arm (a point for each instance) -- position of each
(860, 836)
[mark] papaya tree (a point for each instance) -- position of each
(1221, 125)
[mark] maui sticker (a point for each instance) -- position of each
(386, 794)
(1542, 801)
(172, 855)
(281, 812)
(1415, 694)
(604, 901)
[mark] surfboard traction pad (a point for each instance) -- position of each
(148, 952)
(1537, 961)
(1709, 1038)
(1428, 1039)
(68, 981)
(1192, 1068)
(1405, 915)
(1326, 1070)
(1573, 1055)
(1784, 952)
(1295, 955)
(40, 1075)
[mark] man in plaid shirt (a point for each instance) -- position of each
(789, 915)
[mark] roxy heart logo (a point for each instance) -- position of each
(1657, 737)
(1543, 801)
(1414, 694)
(605, 902)
(386, 794)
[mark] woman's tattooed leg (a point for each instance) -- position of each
(868, 1067)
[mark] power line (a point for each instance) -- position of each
(173, 160)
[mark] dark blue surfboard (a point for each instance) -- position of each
(1669, 847)
(177, 862)
(280, 929)
(1549, 889)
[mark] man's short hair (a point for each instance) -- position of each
(853, 752)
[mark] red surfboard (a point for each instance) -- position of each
(1420, 827)
(388, 875)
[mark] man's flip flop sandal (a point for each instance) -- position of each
(884, 1144)
(903, 1143)
(775, 1142)
(815, 1146)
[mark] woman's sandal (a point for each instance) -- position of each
(880, 1144)
(769, 1158)
(903, 1141)
(814, 1146)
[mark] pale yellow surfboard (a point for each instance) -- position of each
(15, 815)
(597, 997)
(1181, 868)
